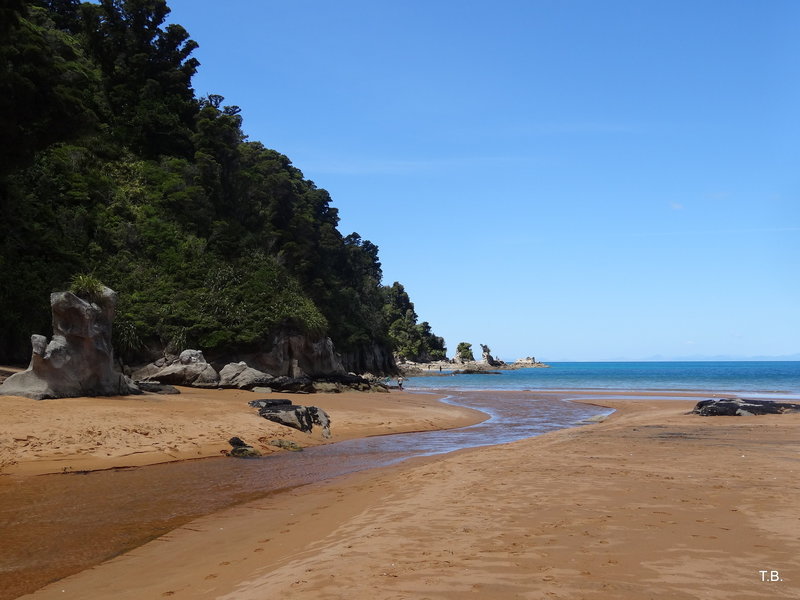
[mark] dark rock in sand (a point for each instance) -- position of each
(302, 418)
(240, 449)
(152, 387)
(742, 406)
(287, 445)
(78, 360)
(296, 385)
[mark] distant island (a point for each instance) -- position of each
(464, 363)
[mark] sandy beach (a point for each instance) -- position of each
(75, 434)
(651, 503)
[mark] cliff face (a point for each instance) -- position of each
(370, 358)
(295, 355)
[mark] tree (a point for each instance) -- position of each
(147, 74)
(464, 351)
(48, 87)
(111, 166)
(410, 340)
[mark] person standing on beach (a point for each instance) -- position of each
(400, 382)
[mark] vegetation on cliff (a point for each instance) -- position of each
(464, 352)
(111, 166)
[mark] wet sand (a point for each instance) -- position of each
(76, 434)
(57, 525)
(651, 503)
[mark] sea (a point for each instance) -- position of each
(752, 378)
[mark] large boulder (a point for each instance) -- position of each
(239, 375)
(189, 369)
(741, 406)
(78, 360)
(302, 418)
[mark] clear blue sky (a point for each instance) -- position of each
(574, 180)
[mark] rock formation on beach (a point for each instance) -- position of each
(240, 375)
(741, 406)
(78, 360)
(241, 449)
(302, 418)
(190, 368)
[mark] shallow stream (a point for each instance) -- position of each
(55, 525)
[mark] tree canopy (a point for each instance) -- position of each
(113, 168)
(464, 351)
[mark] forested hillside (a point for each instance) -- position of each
(111, 166)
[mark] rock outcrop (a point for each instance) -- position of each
(741, 406)
(302, 418)
(189, 369)
(286, 445)
(241, 449)
(295, 355)
(370, 358)
(239, 375)
(487, 356)
(78, 360)
(152, 387)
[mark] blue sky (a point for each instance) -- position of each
(573, 180)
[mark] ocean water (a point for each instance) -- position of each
(744, 377)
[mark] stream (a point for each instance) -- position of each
(56, 525)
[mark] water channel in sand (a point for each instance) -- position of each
(56, 525)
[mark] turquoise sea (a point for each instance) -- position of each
(744, 377)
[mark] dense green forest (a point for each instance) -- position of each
(111, 166)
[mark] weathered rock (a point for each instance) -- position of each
(742, 406)
(189, 369)
(78, 360)
(326, 387)
(297, 356)
(487, 356)
(372, 357)
(287, 445)
(144, 373)
(321, 418)
(271, 403)
(474, 372)
(189, 357)
(241, 449)
(239, 375)
(157, 388)
(262, 390)
(297, 385)
(302, 418)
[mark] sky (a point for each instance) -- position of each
(570, 180)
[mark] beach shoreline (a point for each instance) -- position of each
(651, 502)
(88, 434)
